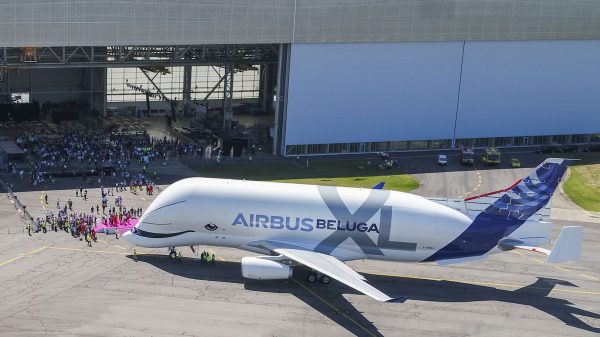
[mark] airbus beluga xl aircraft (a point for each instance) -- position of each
(320, 227)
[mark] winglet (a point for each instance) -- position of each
(568, 245)
(379, 186)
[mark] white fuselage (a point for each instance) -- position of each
(348, 223)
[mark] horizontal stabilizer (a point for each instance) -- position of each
(566, 248)
(568, 245)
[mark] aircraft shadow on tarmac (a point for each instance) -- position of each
(337, 308)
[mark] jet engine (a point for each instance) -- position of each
(265, 268)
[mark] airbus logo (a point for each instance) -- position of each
(211, 227)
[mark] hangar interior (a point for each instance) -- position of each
(227, 90)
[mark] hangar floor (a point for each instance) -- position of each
(53, 284)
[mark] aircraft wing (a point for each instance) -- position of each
(327, 265)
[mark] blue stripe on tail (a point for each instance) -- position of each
(506, 214)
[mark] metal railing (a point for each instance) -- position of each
(26, 218)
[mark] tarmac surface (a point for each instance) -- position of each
(52, 284)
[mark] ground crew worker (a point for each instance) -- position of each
(46, 198)
(43, 223)
(117, 233)
(179, 257)
(135, 257)
(29, 227)
(88, 238)
(212, 260)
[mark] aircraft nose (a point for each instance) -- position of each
(129, 237)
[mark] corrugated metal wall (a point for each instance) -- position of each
(159, 22)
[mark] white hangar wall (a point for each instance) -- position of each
(374, 92)
(529, 88)
(340, 93)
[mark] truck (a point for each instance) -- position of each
(491, 156)
(467, 155)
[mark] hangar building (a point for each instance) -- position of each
(331, 76)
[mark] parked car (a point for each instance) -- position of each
(515, 163)
(442, 160)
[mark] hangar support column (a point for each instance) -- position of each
(228, 95)
(187, 89)
(283, 67)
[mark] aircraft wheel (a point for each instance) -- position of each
(172, 254)
(311, 278)
(325, 279)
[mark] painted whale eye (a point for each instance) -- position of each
(211, 227)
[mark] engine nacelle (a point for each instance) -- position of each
(263, 268)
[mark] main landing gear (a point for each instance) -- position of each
(315, 276)
(172, 253)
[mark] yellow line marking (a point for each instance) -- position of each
(221, 258)
(88, 250)
(561, 268)
(538, 261)
(588, 276)
(333, 307)
(506, 285)
(113, 244)
(515, 252)
(476, 187)
(22, 256)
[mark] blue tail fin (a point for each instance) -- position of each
(515, 205)
(528, 195)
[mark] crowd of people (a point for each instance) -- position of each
(95, 153)
(83, 225)
(65, 146)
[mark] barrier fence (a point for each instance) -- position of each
(26, 218)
